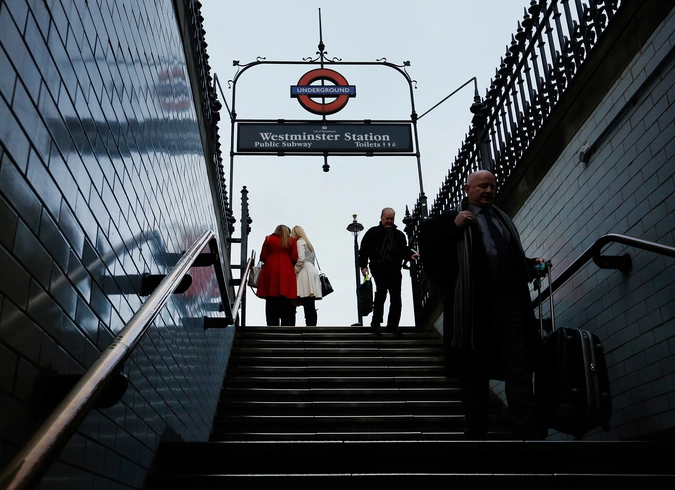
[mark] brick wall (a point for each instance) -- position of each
(102, 178)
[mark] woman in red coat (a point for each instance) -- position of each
(277, 283)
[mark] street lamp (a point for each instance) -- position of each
(355, 227)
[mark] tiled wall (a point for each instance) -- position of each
(627, 187)
(102, 178)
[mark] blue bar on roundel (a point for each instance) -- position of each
(323, 90)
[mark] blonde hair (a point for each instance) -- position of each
(298, 232)
(283, 232)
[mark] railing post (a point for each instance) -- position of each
(245, 231)
(355, 228)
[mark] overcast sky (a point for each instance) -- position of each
(447, 42)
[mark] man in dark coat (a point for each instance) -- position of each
(474, 252)
(386, 248)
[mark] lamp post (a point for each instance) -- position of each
(355, 227)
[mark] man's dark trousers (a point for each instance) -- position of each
(387, 279)
(507, 347)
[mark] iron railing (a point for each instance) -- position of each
(551, 43)
(208, 103)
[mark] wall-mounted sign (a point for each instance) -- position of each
(325, 136)
(338, 93)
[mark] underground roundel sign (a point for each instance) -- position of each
(323, 99)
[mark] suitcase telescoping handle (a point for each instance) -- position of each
(544, 269)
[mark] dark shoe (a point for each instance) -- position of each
(376, 328)
(394, 330)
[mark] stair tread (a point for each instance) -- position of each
(311, 406)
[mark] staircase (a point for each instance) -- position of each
(325, 407)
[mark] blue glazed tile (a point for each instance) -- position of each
(19, 11)
(9, 219)
(72, 340)
(20, 332)
(14, 419)
(14, 280)
(17, 148)
(40, 14)
(9, 78)
(94, 457)
(43, 183)
(79, 478)
(53, 357)
(91, 353)
(86, 320)
(60, 172)
(62, 291)
(85, 217)
(71, 229)
(32, 256)
(54, 241)
(8, 369)
(100, 304)
(73, 453)
(80, 278)
(44, 310)
(92, 261)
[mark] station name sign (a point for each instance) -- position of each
(322, 136)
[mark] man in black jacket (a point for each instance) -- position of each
(386, 248)
(474, 252)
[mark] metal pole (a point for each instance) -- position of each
(358, 282)
(355, 227)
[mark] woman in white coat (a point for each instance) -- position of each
(307, 275)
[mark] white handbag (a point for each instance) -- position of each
(254, 275)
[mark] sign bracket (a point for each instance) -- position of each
(327, 136)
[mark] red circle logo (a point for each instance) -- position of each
(339, 92)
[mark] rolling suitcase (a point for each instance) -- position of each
(571, 382)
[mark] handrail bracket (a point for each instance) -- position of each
(620, 262)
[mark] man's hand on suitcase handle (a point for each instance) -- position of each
(540, 270)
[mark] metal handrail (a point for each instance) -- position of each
(28, 466)
(593, 252)
(242, 286)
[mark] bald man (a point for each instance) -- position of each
(474, 252)
(385, 248)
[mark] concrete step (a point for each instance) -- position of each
(424, 464)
